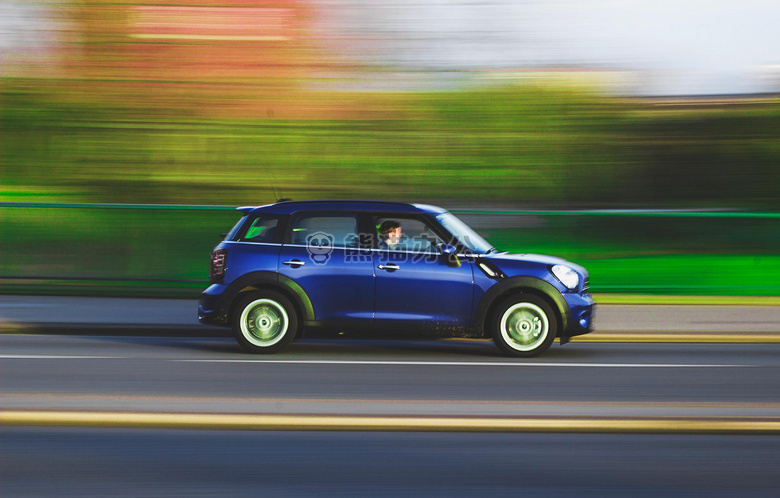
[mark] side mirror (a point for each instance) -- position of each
(450, 255)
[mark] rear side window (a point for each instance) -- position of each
(233, 231)
(340, 230)
(263, 228)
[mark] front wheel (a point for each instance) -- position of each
(264, 322)
(523, 326)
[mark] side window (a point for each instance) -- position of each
(233, 231)
(406, 234)
(339, 230)
(264, 228)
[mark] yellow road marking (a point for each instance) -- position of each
(351, 423)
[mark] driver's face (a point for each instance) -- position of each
(394, 236)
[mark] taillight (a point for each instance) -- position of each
(217, 267)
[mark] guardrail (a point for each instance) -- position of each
(162, 249)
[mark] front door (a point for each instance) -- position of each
(413, 281)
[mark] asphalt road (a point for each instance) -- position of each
(123, 462)
(183, 377)
(348, 377)
(138, 416)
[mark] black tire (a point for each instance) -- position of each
(264, 322)
(523, 326)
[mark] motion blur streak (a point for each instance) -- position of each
(212, 23)
(513, 103)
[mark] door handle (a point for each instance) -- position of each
(390, 267)
(294, 263)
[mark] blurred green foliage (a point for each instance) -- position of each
(513, 145)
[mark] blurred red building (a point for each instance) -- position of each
(248, 58)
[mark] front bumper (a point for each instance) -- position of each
(581, 315)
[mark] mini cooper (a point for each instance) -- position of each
(292, 267)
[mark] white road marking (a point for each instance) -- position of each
(376, 362)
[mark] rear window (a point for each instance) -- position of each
(262, 228)
(233, 231)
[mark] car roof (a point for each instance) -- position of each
(289, 207)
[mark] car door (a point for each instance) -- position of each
(413, 281)
(322, 254)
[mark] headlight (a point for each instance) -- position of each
(566, 275)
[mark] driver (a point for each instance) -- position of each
(390, 234)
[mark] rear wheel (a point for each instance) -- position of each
(264, 322)
(523, 326)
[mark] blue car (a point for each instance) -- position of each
(291, 267)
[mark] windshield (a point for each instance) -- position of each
(465, 235)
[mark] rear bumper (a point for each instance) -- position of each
(210, 310)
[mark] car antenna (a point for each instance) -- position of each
(273, 189)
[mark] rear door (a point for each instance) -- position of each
(323, 254)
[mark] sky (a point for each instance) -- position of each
(672, 47)
(682, 47)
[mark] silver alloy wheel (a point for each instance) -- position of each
(264, 322)
(524, 326)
